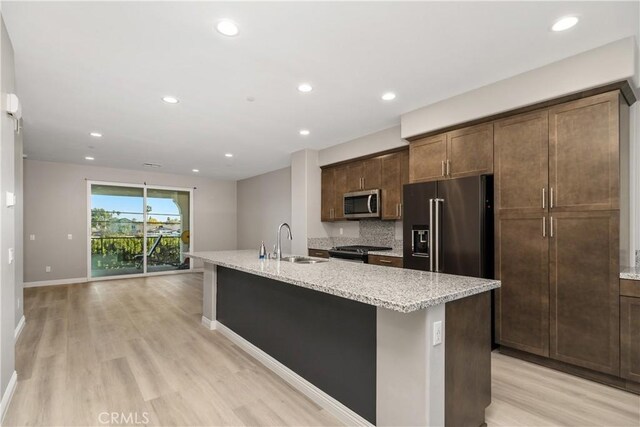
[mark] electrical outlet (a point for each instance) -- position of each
(18, 303)
(437, 333)
(11, 255)
(11, 199)
(341, 231)
(47, 269)
(32, 237)
(70, 236)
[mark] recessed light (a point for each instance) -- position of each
(304, 132)
(96, 134)
(89, 158)
(228, 155)
(305, 87)
(227, 28)
(389, 96)
(195, 170)
(170, 99)
(565, 23)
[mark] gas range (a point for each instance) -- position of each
(355, 253)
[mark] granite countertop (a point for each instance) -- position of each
(396, 252)
(395, 289)
(630, 273)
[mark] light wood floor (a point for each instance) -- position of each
(136, 347)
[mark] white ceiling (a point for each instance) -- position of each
(97, 66)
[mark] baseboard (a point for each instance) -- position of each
(588, 374)
(8, 395)
(20, 327)
(321, 398)
(209, 324)
(55, 282)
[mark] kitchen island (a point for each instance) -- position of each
(360, 340)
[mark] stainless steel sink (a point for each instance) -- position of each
(303, 260)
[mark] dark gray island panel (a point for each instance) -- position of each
(328, 340)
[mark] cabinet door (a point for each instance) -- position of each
(584, 270)
(427, 158)
(470, 151)
(391, 186)
(584, 154)
(521, 148)
(328, 198)
(630, 338)
(355, 171)
(404, 178)
(340, 187)
(371, 174)
(522, 265)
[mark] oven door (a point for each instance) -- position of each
(362, 204)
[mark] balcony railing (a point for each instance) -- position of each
(125, 252)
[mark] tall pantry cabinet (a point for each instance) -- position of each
(560, 187)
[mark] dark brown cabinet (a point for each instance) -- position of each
(459, 153)
(386, 261)
(522, 264)
(427, 158)
(521, 147)
(340, 186)
(388, 173)
(327, 208)
(557, 185)
(318, 253)
(470, 151)
(395, 168)
(584, 137)
(584, 271)
(630, 338)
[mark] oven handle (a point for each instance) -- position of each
(369, 203)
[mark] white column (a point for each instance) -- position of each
(410, 369)
(209, 294)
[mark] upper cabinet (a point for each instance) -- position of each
(364, 174)
(584, 154)
(387, 173)
(427, 158)
(521, 146)
(395, 173)
(470, 151)
(459, 153)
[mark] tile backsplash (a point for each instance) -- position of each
(372, 232)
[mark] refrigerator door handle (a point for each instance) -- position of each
(438, 230)
(431, 229)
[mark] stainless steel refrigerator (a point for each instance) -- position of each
(448, 226)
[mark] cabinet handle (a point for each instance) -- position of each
(363, 183)
(544, 204)
(551, 226)
(443, 168)
(544, 226)
(384, 261)
(448, 167)
(551, 198)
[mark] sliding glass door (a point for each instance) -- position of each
(136, 230)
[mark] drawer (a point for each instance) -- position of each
(630, 288)
(318, 253)
(388, 261)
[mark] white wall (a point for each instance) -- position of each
(56, 205)
(9, 219)
(383, 140)
(264, 202)
(611, 63)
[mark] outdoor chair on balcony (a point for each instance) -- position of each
(139, 259)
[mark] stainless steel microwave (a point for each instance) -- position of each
(362, 204)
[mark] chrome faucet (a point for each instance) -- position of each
(279, 244)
